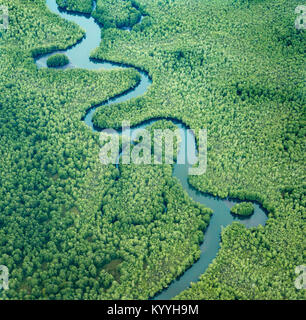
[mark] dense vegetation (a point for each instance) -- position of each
(236, 69)
(57, 60)
(71, 228)
(84, 6)
(54, 238)
(117, 13)
(243, 209)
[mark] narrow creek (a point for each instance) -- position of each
(79, 58)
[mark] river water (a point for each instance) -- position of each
(79, 58)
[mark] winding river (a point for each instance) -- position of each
(79, 58)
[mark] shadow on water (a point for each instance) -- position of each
(79, 56)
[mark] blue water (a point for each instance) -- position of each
(79, 58)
